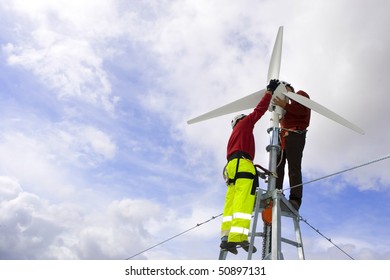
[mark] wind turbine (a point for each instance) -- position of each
(251, 100)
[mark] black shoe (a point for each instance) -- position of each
(294, 203)
(229, 246)
(245, 246)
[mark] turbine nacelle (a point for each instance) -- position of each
(280, 93)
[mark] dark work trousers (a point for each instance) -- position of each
(293, 153)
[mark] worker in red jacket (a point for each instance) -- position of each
(293, 137)
(241, 177)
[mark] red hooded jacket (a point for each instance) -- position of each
(242, 138)
(297, 116)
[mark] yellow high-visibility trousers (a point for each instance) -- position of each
(239, 202)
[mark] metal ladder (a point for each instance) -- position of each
(272, 231)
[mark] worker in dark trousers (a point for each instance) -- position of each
(292, 138)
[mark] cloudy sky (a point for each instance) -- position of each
(97, 160)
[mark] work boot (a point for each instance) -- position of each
(245, 246)
(229, 246)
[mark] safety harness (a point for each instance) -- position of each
(241, 175)
(285, 131)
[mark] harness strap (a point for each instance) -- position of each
(285, 131)
(245, 175)
(242, 175)
(295, 130)
(239, 154)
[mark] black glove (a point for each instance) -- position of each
(273, 84)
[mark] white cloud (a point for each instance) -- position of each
(71, 66)
(9, 188)
(54, 160)
(37, 229)
(90, 183)
(99, 141)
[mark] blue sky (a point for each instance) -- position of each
(98, 162)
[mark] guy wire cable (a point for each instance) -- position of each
(330, 240)
(214, 217)
(177, 235)
(343, 171)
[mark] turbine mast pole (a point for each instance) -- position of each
(272, 244)
(272, 233)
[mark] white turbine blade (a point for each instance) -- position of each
(322, 110)
(244, 103)
(253, 99)
(276, 57)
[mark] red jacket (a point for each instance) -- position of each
(297, 116)
(242, 138)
